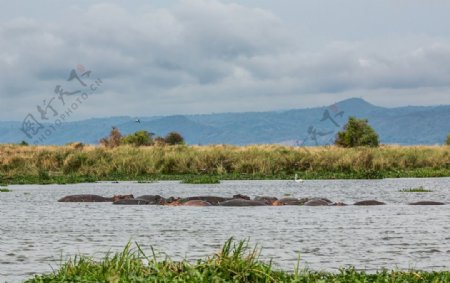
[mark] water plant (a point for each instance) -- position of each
(420, 189)
(5, 190)
(235, 262)
(203, 179)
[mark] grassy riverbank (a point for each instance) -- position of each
(72, 164)
(234, 263)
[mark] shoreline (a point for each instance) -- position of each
(85, 164)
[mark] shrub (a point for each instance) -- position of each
(159, 141)
(139, 138)
(447, 142)
(114, 139)
(201, 180)
(23, 143)
(174, 138)
(357, 132)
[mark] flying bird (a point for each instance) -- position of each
(137, 121)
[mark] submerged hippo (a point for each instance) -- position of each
(93, 198)
(242, 202)
(210, 199)
(265, 199)
(338, 204)
(239, 196)
(369, 202)
(292, 201)
(132, 201)
(317, 202)
(196, 203)
(427, 203)
(152, 199)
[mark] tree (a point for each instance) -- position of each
(114, 139)
(139, 138)
(447, 142)
(174, 138)
(357, 132)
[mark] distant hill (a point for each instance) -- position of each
(401, 125)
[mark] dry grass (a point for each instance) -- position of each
(258, 160)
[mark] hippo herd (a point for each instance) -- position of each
(236, 200)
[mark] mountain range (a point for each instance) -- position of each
(311, 126)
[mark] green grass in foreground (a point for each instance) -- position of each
(416, 190)
(201, 180)
(234, 263)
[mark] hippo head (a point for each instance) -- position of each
(120, 197)
(239, 196)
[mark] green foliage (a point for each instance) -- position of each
(5, 190)
(235, 262)
(415, 190)
(113, 140)
(357, 132)
(139, 138)
(205, 179)
(447, 142)
(173, 138)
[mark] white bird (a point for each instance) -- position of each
(137, 121)
(297, 180)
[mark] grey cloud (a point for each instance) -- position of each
(203, 56)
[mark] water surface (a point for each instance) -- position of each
(36, 231)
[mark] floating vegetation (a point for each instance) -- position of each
(201, 180)
(5, 190)
(416, 190)
(235, 262)
(147, 181)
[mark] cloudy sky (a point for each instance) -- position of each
(204, 56)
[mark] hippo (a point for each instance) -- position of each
(338, 204)
(210, 199)
(369, 202)
(132, 201)
(120, 197)
(265, 199)
(292, 201)
(152, 199)
(239, 196)
(196, 202)
(242, 202)
(92, 198)
(427, 203)
(317, 202)
(171, 201)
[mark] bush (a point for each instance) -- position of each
(447, 142)
(357, 132)
(114, 139)
(160, 141)
(23, 143)
(174, 138)
(139, 138)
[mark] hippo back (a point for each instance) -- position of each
(85, 198)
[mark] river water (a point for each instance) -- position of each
(36, 231)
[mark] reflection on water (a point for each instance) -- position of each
(36, 231)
